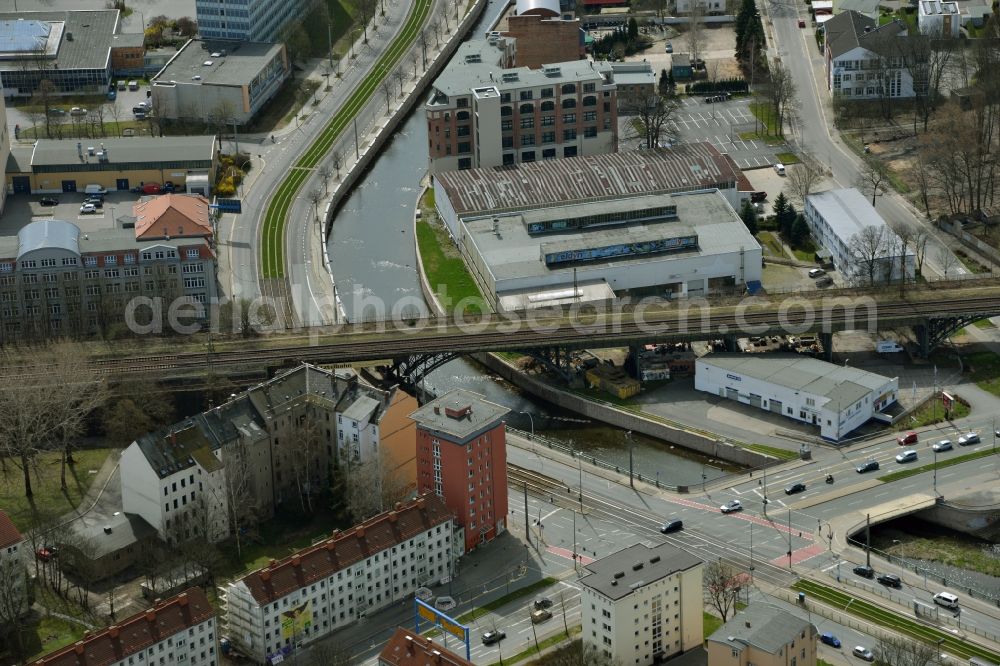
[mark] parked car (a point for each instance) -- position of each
(861, 652)
(908, 438)
(816, 272)
(672, 526)
(867, 466)
(540, 616)
(969, 438)
(669, 47)
(88, 209)
(802, 23)
(943, 445)
(493, 636)
(168, 188)
(77, 111)
(907, 456)
(112, 95)
(829, 639)
(779, 169)
(444, 603)
(731, 506)
(757, 197)
(49, 201)
(424, 594)
(795, 488)
(97, 202)
(890, 580)
(46, 553)
(149, 188)
(864, 571)
(55, 111)
(824, 281)
(542, 603)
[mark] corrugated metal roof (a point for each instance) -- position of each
(48, 234)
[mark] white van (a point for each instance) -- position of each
(94, 189)
(946, 599)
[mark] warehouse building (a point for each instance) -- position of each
(836, 398)
(220, 80)
(66, 165)
(838, 220)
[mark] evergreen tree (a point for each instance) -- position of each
(800, 231)
(749, 217)
(633, 30)
(787, 221)
(670, 79)
(664, 82)
(780, 207)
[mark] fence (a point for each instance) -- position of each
(955, 229)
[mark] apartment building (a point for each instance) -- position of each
(292, 602)
(462, 457)
(282, 438)
(405, 648)
(864, 60)
(56, 279)
(763, 635)
(483, 112)
(179, 630)
(12, 570)
(643, 604)
(247, 20)
(863, 247)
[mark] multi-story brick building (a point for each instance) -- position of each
(320, 589)
(405, 648)
(179, 630)
(542, 35)
(643, 605)
(462, 456)
(483, 111)
(56, 279)
(282, 437)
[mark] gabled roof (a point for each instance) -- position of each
(8, 531)
(136, 633)
(172, 216)
(343, 549)
(843, 29)
(764, 627)
(406, 648)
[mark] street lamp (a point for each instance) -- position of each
(531, 420)
(631, 446)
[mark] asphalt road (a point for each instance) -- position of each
(796, 48)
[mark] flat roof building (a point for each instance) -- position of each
(763, 635)
(484, 112)
(939, 18)
(246, 20)
(115, 163)
(220, 79)
(836, 398)
(643, 604)
(862, 246)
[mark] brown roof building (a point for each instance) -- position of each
(406, 648)
(9, 535)
(172, 216)
(333, 583)
(180, 630)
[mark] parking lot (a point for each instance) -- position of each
(22, 209)
(721, 124)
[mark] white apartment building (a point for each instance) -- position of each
(643, 604)
(180, 630)
(286, 435)
(863, 59)
(12, 566)
(708, 7)
(837, 220)
(322, 588)
(939, 18)
(836, 398)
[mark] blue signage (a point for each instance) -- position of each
(735, 378)
(228, 205)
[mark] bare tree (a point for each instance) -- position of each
(867, 248)
(782, 95)
(873, 177)
(337, 160)
(400, 75)
(387, 90)
(437, 29)
(13, 598)
(928, 58)
(325, 172)
(115, 109)
(372, 486)
(315, 197)
(424, 38)
(368, 9)
(328, 653)
(947, 259)
(893, 651)
(901, 244)
(920, 239)
(240, 500)
(722, 587)
(696, 32)
(654, 114)
(803, 179)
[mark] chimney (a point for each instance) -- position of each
(409, 646)
(437, 409)
(272, 564)
(360, 533)
(393, 516)
(296, 561)
(113, 631)
(78, 647)
(182, 600)
(265, 575)
(747, 624)
(399, 505)
(150, 616)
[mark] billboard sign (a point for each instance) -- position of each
(445, 622)
(295, 621)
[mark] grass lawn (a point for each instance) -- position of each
(985, 367)
(445, 270)
(51, 633)
(526, 591)
(787, 158)
(871, 613)
(768, 140)
(49, 500)
(806, 252)
(941, 464)
(931, 413)
(772, 242)
(983, 323)
(781, 454)
(763, 112)
(543, 644)
(711, 623)
(957, 550)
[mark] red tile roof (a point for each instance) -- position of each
(8, 532)
(406, 648)
(346, 548)
(172, 216)
(136, 633)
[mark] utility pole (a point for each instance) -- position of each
(765, 491)
(631, 482)
(868, 540)
(357, 151)
(789, 538)
(329, 42)
(236, 138)
(574, 540)
(751, 552)
(579, 460)
(527, 529)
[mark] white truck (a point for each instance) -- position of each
(887, 347)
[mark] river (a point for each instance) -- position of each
(372, 253)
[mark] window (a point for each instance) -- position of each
(110, 260)
(590, 101)
(569, 135)
(463, 131)
(464, 147)
(507, 141)
(48, 263)
(590, 132)
(111, 272)
(589, 116)
(569, 103)
(193, 253)
(90, 261)
(547, 92)
(147, 255)
(549, 154)
(130, 258)
(30, 263)
(194, 282)
(506, 125)
(525, 95)
(569, 118)
(462, 115)
(506, 110)
(526, 108)
(548, 121)
(67, 261)
(548, 137)
(548, 106)
(191, 268)
(568, 89)
(527, 139)
(527, 122)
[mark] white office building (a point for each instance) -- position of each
(247, 20)
(320, 589)
(643, 604)
(835, 398)
(863, 247)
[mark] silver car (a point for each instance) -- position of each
(907, 456)
(969, 438)
(943, 445)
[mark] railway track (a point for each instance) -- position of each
(646, 523)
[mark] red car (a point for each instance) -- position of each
(802, 23)
(908, 438)
(150, 188)
(46, 553)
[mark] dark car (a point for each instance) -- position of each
(795, 488)
(541, 603)
(49, 201)
(825, 281)
(867, 466)
(757, 197)
(672, 526)
(709, 100)
(864, 571)
(830, 639)
(493, 636)
(892, 580)
(97, 201)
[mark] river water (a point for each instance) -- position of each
(373, 258)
